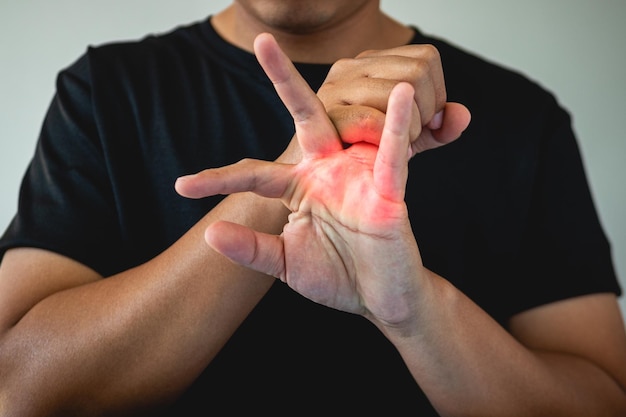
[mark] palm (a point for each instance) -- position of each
(339, 224)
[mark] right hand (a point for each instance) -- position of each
(356, 91)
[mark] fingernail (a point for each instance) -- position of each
(437, 121)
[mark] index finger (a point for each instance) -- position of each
(315, 132)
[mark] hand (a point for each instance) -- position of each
(348, 243)
(356, 91)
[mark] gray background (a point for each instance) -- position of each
(575, 48)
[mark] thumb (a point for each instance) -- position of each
(445, 127)
(456, 118)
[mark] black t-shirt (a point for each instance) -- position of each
(504, 213)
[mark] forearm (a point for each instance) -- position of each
(142, 335)
(469, 365)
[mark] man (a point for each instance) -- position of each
(449, 285)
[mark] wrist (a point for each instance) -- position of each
(433, 294)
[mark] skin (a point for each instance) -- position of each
(61, 323)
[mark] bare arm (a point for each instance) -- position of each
(72, 342)
(140, 336)
(563, 359)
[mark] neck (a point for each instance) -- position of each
(367, 28)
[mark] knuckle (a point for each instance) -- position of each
(326, 93)
(358, 124)
(431, 51)
(342, 66)
(419, 68)
(367, 53)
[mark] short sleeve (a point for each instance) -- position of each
(565, 251)
(66, 204)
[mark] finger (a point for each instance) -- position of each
(422, 67)
(423, 52)
(314, 130)
(264, 178)
(358, 123)
(368, 79)
(454, 120)
(358, 110)
(246, 247)
(391, 165)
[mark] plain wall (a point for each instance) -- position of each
(575, 48)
